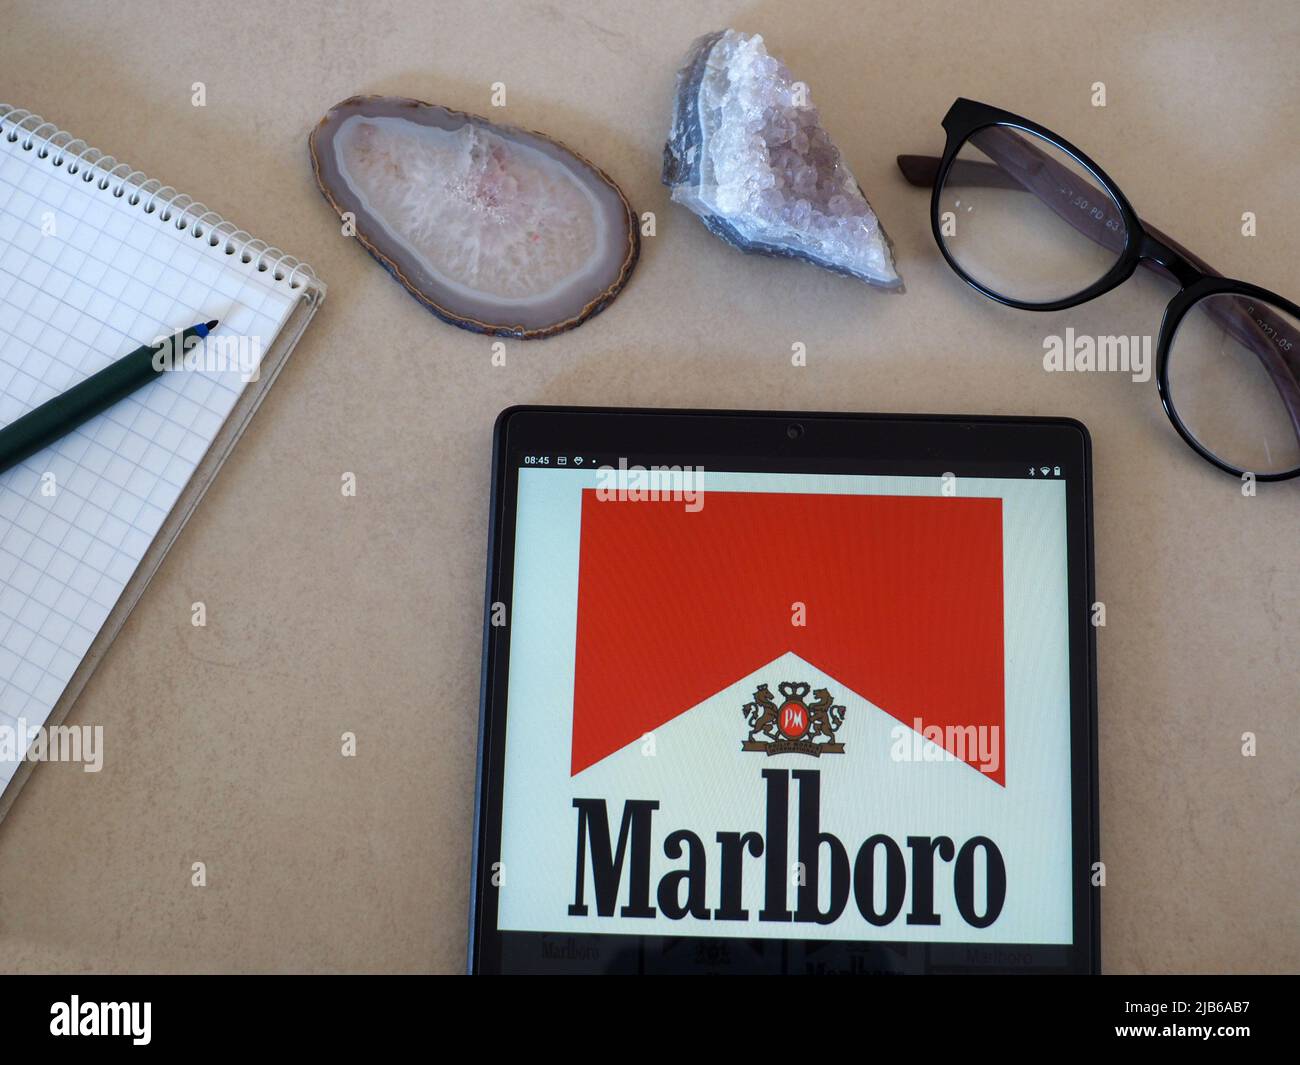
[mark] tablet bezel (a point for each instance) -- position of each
(781, 440)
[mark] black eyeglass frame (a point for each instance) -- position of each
(1141, 245)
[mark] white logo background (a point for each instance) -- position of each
(704, 782)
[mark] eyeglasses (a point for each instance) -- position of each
(1027, 219)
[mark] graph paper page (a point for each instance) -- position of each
(86, 277)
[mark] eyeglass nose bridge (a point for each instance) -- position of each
(1169, 259)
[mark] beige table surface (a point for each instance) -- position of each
(328, 614)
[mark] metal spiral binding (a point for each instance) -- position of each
(119, 178)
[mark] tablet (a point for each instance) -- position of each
(787, 693)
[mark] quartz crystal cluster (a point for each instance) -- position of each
(748, 154)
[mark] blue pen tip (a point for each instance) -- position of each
(205, 329)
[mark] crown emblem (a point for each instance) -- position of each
(793, 725)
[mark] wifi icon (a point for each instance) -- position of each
(1043, 470)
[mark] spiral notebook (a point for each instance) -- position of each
(95, 260)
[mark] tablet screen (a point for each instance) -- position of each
(757, 707)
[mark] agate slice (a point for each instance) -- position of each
(493, 228)
(748, 154)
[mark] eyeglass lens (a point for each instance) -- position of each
(1026, 220)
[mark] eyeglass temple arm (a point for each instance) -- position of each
(1022, 165)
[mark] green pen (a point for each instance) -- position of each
(57, 417)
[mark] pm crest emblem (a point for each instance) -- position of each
(792, 724)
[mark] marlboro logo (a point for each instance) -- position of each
(796, 726)
(619, 861)
(900, 603)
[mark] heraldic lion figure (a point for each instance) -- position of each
(761, 714)
(824, 719)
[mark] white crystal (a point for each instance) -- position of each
(769, 169)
